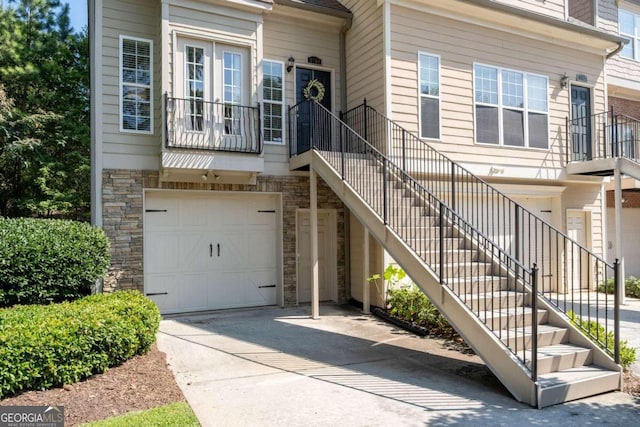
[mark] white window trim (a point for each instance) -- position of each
(121, 83)
(500, 106)
(439, 97)
(634, 38)
(284, 127)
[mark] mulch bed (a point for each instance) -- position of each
(631, 384)
(140, 383)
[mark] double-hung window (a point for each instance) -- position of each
(511, 107)
(273, 100)
(629, 27)
(136, 88)
(429, 80)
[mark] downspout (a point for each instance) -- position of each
(618, 49)
(343, 61)
(343, 107)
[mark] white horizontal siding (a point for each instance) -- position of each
(460, 45)
(219, 21)
(555, 8)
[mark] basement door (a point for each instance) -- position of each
(536, 241)
(207, 252)
(577, 263)
(328, 289)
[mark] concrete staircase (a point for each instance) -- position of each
(487, 300)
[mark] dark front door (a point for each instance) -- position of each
(309, 121)
(581, 123)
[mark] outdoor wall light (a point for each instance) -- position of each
(205, 176)
(290, 63)
(564, 81)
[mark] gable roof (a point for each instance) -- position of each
(329, 7)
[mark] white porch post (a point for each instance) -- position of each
(366, 291)
(313, 199)
(618, 210)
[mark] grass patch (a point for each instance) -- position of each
(173, 414)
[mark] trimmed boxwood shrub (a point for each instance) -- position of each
(44, 346)
(43, 261)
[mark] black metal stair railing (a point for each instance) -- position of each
(428, 225)
(604, 135)
(569, 273)
(215, 126)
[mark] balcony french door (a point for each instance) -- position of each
(211, 85)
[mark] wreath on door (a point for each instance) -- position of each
(314, 91)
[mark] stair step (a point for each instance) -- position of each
(559, 357)
(430, 233)
(457, 256)
(464, 269)
(468, 285)
(493, 300)
(520, 338)
(513, 318)
(418, 218)
(433, 245)
(576, 383)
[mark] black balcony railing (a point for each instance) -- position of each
(568, 273)
(603, 136)
(217, 126)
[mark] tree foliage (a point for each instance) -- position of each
(44, 112)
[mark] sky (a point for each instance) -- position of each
(77, 13)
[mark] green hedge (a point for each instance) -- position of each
(44, 346)
(631, 287)
(597, 334)
(43, 261)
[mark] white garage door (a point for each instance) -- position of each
(206, 252)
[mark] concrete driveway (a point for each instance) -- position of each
(278, 367)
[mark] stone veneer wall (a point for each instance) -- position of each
(122, 222)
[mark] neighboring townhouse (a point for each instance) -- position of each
(236, 164)
(623, 85)
(491, 84)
